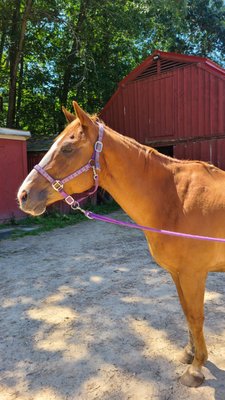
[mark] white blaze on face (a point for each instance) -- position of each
(26, 182)
(48, 156)
(44, 161)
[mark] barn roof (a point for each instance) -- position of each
(6, 133)
(40, 143)
(168, 62)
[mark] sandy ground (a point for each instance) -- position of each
(86, 314)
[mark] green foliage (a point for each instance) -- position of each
(81, 49)
(53, 220)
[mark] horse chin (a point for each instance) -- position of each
(38, 211)
(35, 212)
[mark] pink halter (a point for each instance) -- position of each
(92, 164)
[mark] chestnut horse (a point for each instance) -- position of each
(154, 190)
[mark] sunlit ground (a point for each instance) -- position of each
(85, 314)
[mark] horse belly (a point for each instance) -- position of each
(179, 254)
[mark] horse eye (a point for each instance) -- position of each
(72, 137)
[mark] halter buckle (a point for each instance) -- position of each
(57, 185)
(98, 146)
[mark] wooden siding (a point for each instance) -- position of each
(183, 107)
(13, 166)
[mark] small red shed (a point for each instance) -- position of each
(175, 103)
(13, 167)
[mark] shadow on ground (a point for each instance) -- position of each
(86, 314)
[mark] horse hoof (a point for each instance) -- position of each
(192, 379)
(186, 358)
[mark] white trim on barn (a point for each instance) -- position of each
(14, 134)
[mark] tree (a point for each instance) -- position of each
(206, 28)
(17, 36)
(76, 44)
(57, 50)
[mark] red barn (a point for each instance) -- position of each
(175, 103)
(13, 167)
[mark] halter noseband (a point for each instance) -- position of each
(93, 164)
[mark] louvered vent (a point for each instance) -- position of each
(164, 66)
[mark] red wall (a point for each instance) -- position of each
(183, 108)
(13, 167)
(183, 103)
(212, 151)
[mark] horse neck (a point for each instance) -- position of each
(129, 172)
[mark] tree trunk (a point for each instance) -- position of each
(2, 43)
(16, 48)
(19, 97)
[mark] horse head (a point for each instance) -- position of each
(71, 150)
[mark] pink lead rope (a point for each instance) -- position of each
(74, 204)
(91, 215)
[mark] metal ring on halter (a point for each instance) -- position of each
(76, 206)
(98, 146)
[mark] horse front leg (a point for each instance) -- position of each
(189, 351)
(193, 288)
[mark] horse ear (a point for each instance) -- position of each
(82, 115)
(69, 117)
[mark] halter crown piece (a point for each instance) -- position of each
(93, 164)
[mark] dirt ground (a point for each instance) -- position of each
(86, 314)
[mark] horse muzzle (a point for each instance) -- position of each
(32, 200)
(29, 204)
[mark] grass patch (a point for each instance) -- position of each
(53, 220)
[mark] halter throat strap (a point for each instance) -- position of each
(93, 164)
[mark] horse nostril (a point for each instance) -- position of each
(23, 196)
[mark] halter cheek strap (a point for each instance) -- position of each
(93, 164)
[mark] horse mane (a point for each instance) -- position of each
(167, 159)
(147, 149)
(153, 152)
